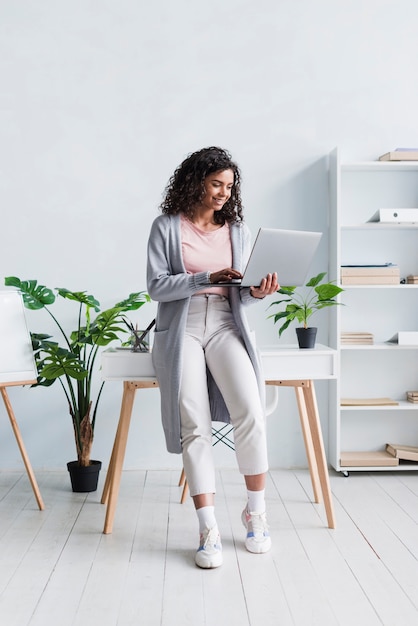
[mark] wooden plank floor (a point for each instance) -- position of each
(58, 569)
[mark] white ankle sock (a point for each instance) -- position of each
(206, 516)
(256, 501)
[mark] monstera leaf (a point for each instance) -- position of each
(73, 364)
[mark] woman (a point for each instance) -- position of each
(205, 360)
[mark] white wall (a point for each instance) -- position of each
(100, 101)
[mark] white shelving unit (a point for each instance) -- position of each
(357, 191)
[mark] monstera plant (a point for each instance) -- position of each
(71, 360)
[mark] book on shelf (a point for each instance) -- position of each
(368, 402)
(357, 342)
(356, 338)
(405, 338)
(400, 451)
(400, 154)
(412, 279)
(367, 279)
(368, 459)
(412, 396)
(388, 269)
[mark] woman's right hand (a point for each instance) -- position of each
(224, 275)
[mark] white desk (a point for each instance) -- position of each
(284, 366)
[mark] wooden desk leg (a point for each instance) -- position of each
(22, 449)
(312, 433)
(307, 437)
(183, 483)
(111, 469)
(184, 492)
(111, 490)
(318, 445)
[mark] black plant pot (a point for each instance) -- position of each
(84, 479)
(306, 337)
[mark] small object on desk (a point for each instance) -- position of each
(138, 343)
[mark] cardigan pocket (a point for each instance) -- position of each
(159, 349)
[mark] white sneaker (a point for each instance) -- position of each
(209, 553)
(258, 538)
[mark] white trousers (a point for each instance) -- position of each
(212, 340)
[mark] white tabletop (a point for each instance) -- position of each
(284, 362)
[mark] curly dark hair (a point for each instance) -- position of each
(185, 189)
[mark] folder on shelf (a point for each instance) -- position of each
(368, 402)
(405, 338)
(387, 269)
(399, 451)
(368, 459)
(395, 216)
(400, 154)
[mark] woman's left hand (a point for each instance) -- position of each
(267, 286)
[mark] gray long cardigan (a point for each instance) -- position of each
(170, 285)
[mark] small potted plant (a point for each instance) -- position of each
(300, 305)
(73, 362)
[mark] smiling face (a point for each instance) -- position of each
(218, 188)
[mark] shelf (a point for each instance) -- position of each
(400, 286)
(382, 226)
(403, 405)
(380, 166)
(405, 467)
(377, 346)
(357, 191)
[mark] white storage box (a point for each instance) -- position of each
(122, 364)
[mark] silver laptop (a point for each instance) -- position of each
(287, 252)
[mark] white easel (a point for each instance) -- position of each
(17, 366)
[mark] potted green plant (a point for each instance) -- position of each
(73, 362)
(300, 305)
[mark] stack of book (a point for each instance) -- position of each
(386, 274)
(412, 396)
(412, 280)
(400, 154)
(399, 451)
(357, 338)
